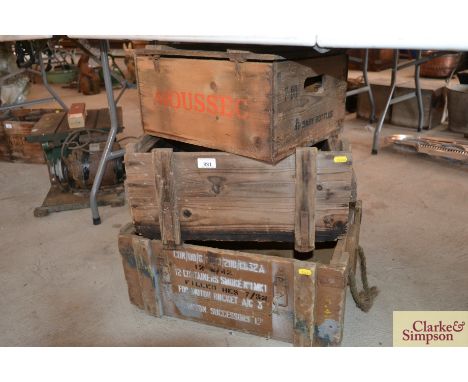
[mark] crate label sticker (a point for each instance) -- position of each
(305, 272)
(8, 125)
(93, 147)
(234, 291)
(340, 159)
(206, 162)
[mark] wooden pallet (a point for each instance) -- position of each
(57, 200)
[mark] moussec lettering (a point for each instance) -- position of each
(216, 105)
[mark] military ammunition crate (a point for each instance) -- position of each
(258, 288)
(177, 196)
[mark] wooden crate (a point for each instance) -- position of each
(260, 290)
(407, 113)
(220, 196)
(16, 128)
(257, 105)
(16, 133)
(5, 154)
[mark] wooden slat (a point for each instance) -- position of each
(147, 276)
(304, 303)
(331, 285)
(304, 214)
(130, 267)
(331, 300)
(92, 118)
(168, 214)
(103, 119)
(48, 123)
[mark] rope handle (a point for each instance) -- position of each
(365, 298)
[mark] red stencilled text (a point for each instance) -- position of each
(224, 106)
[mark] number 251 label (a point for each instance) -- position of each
(206, 162)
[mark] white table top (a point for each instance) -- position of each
(403, 24)
(397, 24)
(5, 38)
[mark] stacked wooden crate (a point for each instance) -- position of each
(14, 128)
(258, 236)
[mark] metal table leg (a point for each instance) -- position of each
(417, 92)
(367, 84)
(107, 153)
(52, 92)
(375, 144)
(48, 87)
(417, 71)
(366, 88)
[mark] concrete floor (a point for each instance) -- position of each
(62, 282)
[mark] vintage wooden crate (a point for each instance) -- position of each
(220, 196)
(16, 133)
(257, 105)
(16, 128)
(260, 290)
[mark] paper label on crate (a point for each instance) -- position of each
(305, 272)
(206, 162)
(8, 125)
(93, 147)
(340, 159)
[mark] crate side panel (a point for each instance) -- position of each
(212, 103)
(309, 101)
